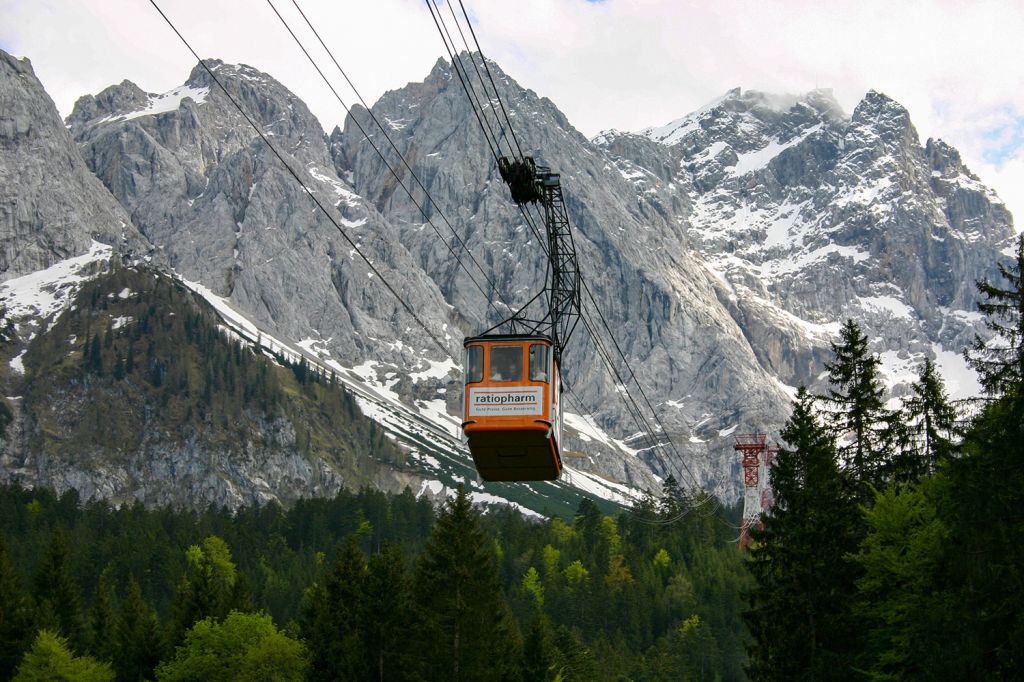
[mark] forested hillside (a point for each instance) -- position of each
(372, 586)
(139, 381)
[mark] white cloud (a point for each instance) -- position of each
(619, 63)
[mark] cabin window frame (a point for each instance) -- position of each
(540, 370)
(474, 364)
(502, 352)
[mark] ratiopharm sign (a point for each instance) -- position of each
(506, 402)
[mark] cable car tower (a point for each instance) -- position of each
(512, 407)
(751, 447)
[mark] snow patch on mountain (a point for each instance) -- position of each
(44, 293)
(16, 364)
(678, 129)
(436, 369)
(961, 381)
(601, 487)
(755, 160)
(887, 304)
(159, 104)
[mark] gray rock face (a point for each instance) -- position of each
(658, 299)
(190, 474)
(51, 205)
(201, 183)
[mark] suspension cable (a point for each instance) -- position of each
(422, 209)
(605, 355)
(483, 84)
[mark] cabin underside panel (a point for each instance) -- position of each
(515, 455)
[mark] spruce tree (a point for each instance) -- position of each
(931, 421)
(332, 619)
(540, 653)
(799, 615)
(389, 617)
(468, 632)
(15, 616)
(57, 593)
(102, 622)
(855, 403)
(139, 642)
(672, 498)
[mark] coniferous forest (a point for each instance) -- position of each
(892, 552)
(368, 586)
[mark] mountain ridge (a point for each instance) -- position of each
(717, 314)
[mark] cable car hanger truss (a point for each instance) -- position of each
(530, 183)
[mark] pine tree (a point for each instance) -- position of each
(94, 363)
(540, 653)
(855, 400)
(673, 499)
(389, 617)
(1000, 365)
(799, 615)
(986, 527)
(468, 630)
(102, 623)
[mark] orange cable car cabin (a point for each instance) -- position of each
(513, 421)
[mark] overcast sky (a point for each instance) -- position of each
(958, 66)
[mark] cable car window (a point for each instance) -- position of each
(506, 363)
(538, 362)
(474, 364)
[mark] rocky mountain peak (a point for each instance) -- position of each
(884, 123)
(51, 206)
(199, 75)
(122, 98)
(945, 159)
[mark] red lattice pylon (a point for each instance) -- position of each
(750, 446)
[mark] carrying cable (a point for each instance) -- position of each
(473, 100)
(488, 69)
(309, 192)
(483, 84)
(632, 406)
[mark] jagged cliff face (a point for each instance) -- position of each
(723, 249)
(201, 184)
(807, 217)
(51, 206)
